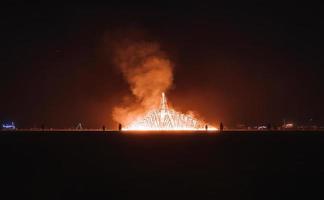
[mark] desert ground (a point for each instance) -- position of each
(162, 165)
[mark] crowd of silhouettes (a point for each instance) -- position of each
(79, 127)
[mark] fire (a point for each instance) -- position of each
(164, 118)
(149, 72)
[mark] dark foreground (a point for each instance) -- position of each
(94, 165)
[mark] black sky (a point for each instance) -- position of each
(237, 64)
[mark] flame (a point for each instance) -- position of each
(167, 119)
(149, 72)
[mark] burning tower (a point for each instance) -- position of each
(164, 118)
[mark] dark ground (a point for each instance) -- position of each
(93, 165)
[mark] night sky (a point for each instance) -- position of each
(236, 64)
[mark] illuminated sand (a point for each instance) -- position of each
(166, 119)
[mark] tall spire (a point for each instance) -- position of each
(164, 104)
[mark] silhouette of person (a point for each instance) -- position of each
(119, 127)
(103, 128)
(206, 127)
(221, 127)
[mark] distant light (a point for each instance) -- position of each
(9, 126)
(262, 127)
(289, 125)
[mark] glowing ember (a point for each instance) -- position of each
(164, 118)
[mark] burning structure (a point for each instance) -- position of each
(149, 74)
(165, 118)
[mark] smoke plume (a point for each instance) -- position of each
(148, 72)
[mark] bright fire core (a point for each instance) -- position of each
(166, 119)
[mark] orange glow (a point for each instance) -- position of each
(149, 73)
(166, 119)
